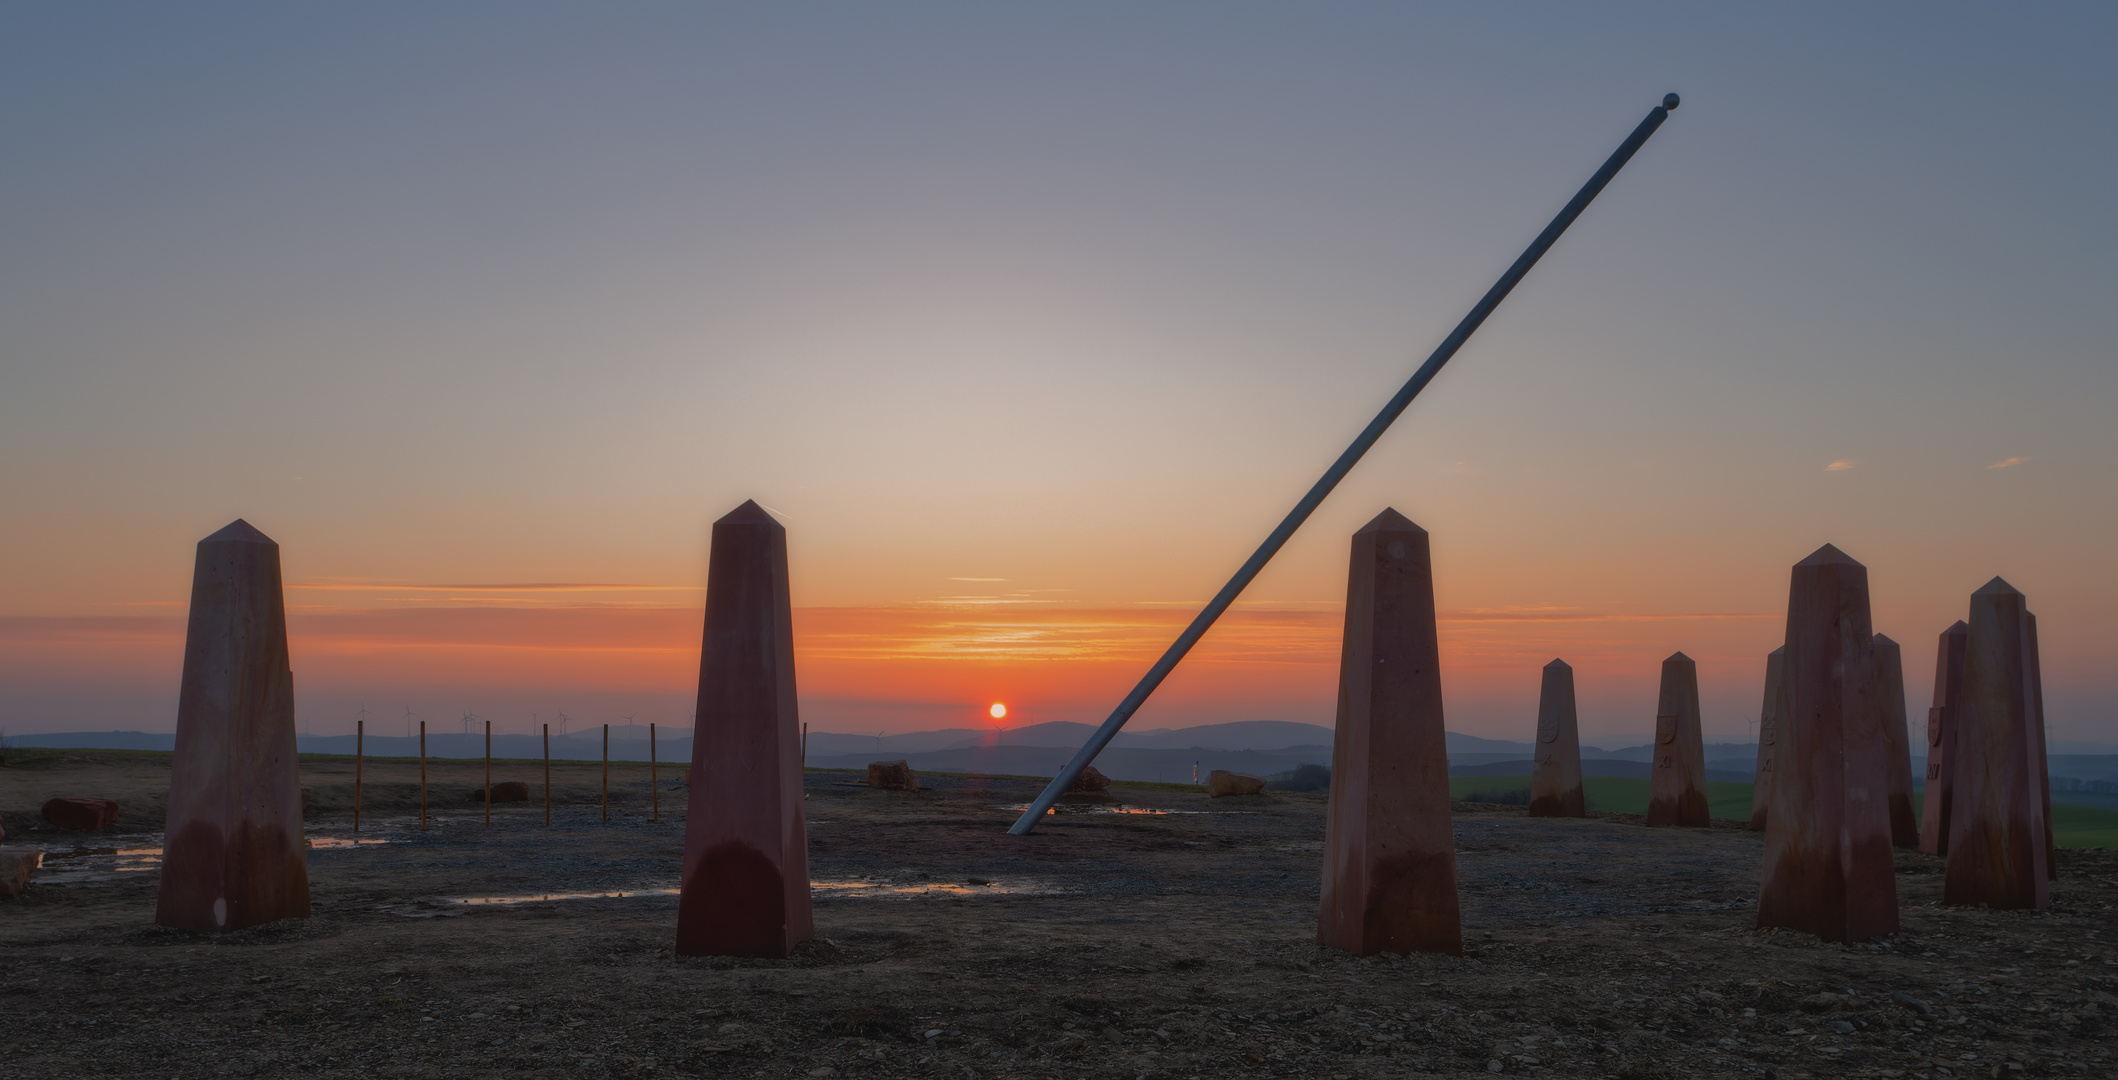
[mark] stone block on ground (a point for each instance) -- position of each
(745, 885)
(1389, 850)
(1555, 786)
(504, 791)
(234, 854)
(1829, 866)
(1221, 782)
(1677, 778)
(81, 813)
(16, 865)
(892, 776)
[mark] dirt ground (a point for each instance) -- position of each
(1174, 939)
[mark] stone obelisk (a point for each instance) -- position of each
(1761, 787)
(232, 853)
(1555, 788)
(1676, 792)
(746, 855)
(1998, 851)
(1890, 662)
(1937, 804)
(1389, 852)
(1829, 867)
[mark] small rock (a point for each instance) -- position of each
(892, 776)
(1089, 780)
(81, 813)
(1222, 782)
(1840, 1027)
(16, 864)
(505, 791)
(1493, 1065)
(1910, 1002)
(931, 1032)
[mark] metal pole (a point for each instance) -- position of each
(606, 774)
(489, 774)
(1341, 467)
(360, 738)
(654, 783)
(422, 776)
(547, 776)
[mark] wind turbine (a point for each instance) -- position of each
(469, 718)
(408, 721)
(562, 723)
(363, 714)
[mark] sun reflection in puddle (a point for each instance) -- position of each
(326, 843)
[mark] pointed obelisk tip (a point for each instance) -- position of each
(750, 513)
(239, 532)
(1885, 639)
(1958, 627)
(1781, 651)
(1670, 100)
(1677, 658)
(1559, 664)
(1827, 555)
(1998, 587)
(1390, 521)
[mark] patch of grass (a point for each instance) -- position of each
(2084, 826)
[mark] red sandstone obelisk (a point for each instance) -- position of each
(1829, 867)
(1937, 803)
(232, 853)
(1676, 792)
(1890, 662)
(1555, 788)
(1389, 852)
(1998, 851)
(746, 851)
(1761, 787)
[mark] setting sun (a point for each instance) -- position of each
(998, 710)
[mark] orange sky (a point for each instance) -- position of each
(894, 668)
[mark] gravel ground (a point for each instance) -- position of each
(1172, 939)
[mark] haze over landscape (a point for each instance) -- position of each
(1028, 323)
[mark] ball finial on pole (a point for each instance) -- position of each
(1670, 100)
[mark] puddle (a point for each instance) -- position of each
(84, 863)
(538, 898)
(862, 889)
(841, 889)
(327, 843)
(1135, 811)
(141, 855)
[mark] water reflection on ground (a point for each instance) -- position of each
(821, 890)
(121, 855)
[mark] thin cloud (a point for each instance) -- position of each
(977, 579)
(2009, 463)
(1841, 465)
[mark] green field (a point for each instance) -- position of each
(2072, 826)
